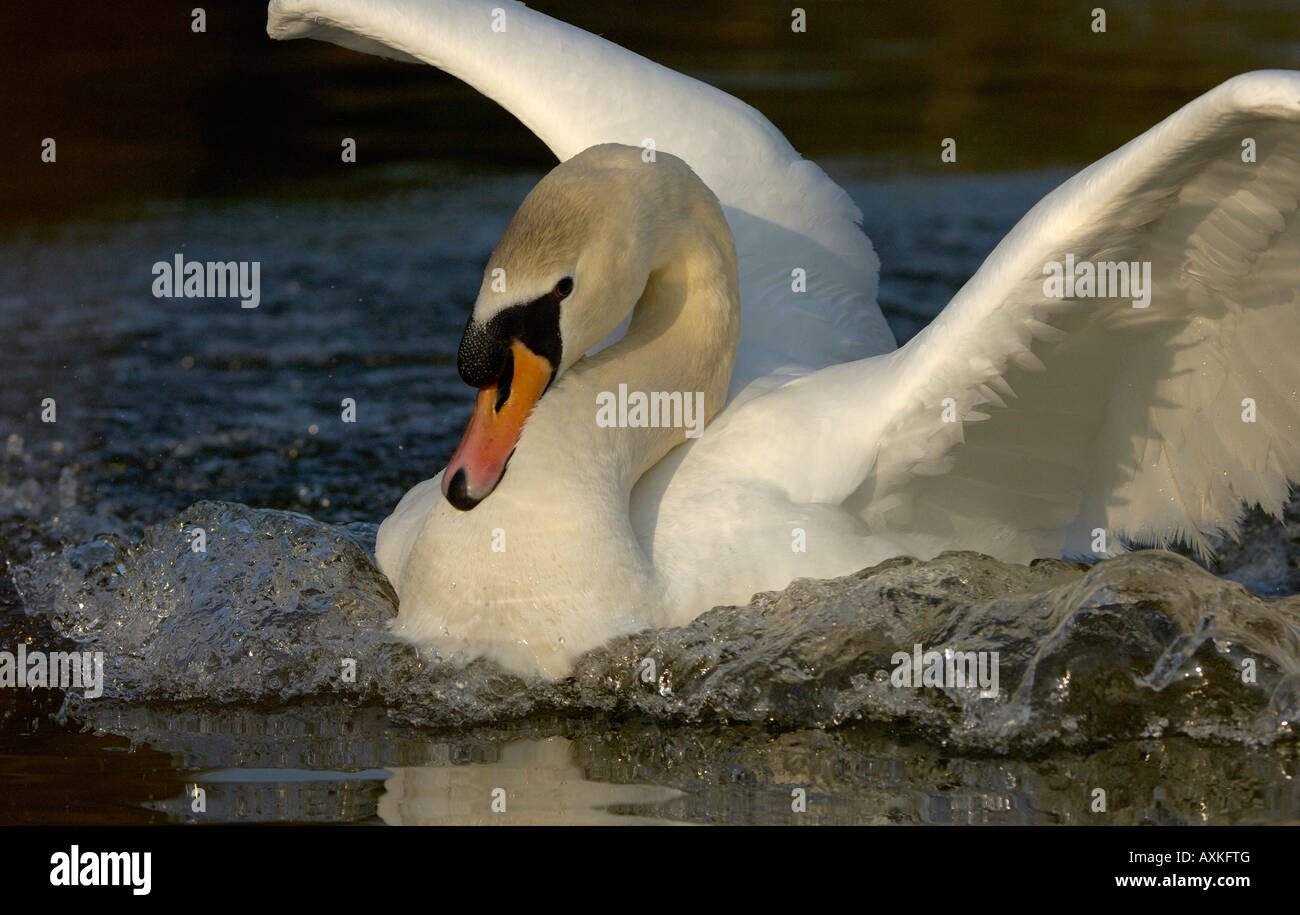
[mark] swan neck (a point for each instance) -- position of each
(669, 375)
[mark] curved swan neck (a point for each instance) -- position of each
(676, 357)
(683, 337)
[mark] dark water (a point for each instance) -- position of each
(143, 107)
(224, 668)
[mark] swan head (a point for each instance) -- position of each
(572, 264)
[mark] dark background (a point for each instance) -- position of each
(142, 107)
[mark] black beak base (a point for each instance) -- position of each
(484, 347)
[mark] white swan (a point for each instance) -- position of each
(1020, 423)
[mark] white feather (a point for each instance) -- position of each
(575, 90)
(1016, 424)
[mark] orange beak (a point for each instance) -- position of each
(494, 429)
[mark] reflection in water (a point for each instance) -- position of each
(531, 783)
(335, 763)
(1124, 678)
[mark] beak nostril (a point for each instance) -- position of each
(502, 406)
(503, 382)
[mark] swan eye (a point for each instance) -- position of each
(563, 287)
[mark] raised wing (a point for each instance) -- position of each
(1081, 413)
(1021, 423)
(575, 90)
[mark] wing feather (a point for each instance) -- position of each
(574, 90)
(1130, 420)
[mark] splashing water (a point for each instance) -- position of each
(277, 605)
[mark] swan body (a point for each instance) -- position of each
(1030, 418)
(542, 579)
